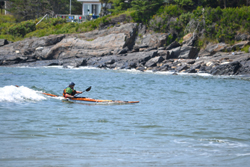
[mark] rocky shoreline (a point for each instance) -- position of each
(127, 46)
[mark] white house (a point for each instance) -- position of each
(90, 7)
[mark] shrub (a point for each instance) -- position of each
(246, 48)
(21, 29)
(7, 19)
(42, 25)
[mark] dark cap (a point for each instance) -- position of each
(72, 84)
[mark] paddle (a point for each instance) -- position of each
(88, 89)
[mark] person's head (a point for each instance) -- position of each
(72, 84)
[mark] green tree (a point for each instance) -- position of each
(120, 5)
(193, 4)
(145, 9)
(29, 9)
(184, 3)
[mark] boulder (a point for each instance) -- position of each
(152, 40)
(121, 51)
(174, 44)
(32, 49)
(211, 49)
(134, 60)
(244, 61)
(226, 69)
(102, 62)
(174, 53)
(181, 68)
(205, 69)
(73, 62)
(194, 68)
(161, 48)
(240, 45)
(245, 68)
(165, 67)
(3, 42)
(46, 41)
(153, 61)
(188, 52)
(189, 39)
(164, 54)
(129, 30)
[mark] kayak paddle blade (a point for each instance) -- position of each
(88, 89)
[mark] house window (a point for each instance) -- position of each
(95, 9)
(87, 9)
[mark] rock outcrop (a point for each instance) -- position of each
(128, 46)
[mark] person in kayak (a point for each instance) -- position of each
(69, 92)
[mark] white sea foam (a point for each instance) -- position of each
(147, 71)
(223, 143)
(241, 155)
(19, 94)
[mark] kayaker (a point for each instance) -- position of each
(69, 92)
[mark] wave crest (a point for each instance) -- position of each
(19, 94)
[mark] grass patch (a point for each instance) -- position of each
(246, 48)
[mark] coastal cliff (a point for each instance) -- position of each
(127, 46)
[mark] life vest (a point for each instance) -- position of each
(72, 94)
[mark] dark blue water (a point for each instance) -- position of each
(181, 120)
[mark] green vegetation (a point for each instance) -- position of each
(25, 10)
(246, 49)
(219, 24)
(217, 21)
(13, 31)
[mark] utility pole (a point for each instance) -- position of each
(70, 8)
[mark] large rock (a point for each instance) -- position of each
(91, 44)
(152, 40)
(3, 42)
(133, 60)
(188, 52)
(102, 62)
(189, 39)
(182, 68)
(129, 30)
(211, 49)
(99, 46)
(240, 45)
(226, 69)
(153, 61)
(28, 50)
(46, 41)
(174, 44)
(174, 53)
(245, 64)
(164, 53)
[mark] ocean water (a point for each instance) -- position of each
(181, 120)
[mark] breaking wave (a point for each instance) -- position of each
(19, 94)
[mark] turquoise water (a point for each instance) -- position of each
(181, 120)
